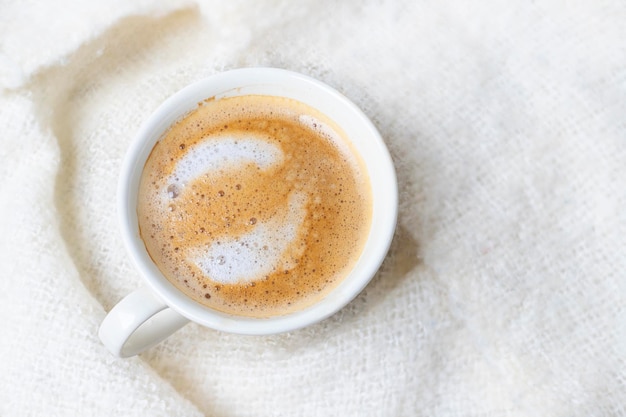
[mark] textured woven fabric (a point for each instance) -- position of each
(504, 293)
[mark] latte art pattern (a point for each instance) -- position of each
(255, 254)
(254, 205)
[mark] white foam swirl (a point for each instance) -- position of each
(257, 253)
(218, 153)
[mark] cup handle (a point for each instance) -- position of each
(137, 323)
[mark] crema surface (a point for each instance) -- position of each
(254, 205)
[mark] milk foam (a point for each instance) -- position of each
(257, 253)
(223, 152)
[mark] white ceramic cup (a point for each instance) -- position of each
(149, 315)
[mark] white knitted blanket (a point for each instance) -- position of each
(504, 293)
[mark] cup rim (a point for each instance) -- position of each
(241, 82)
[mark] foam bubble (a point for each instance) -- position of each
(172, 191)
(254, 255)
(219, 153)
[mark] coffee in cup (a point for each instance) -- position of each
(254, 205)
(256, 194)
